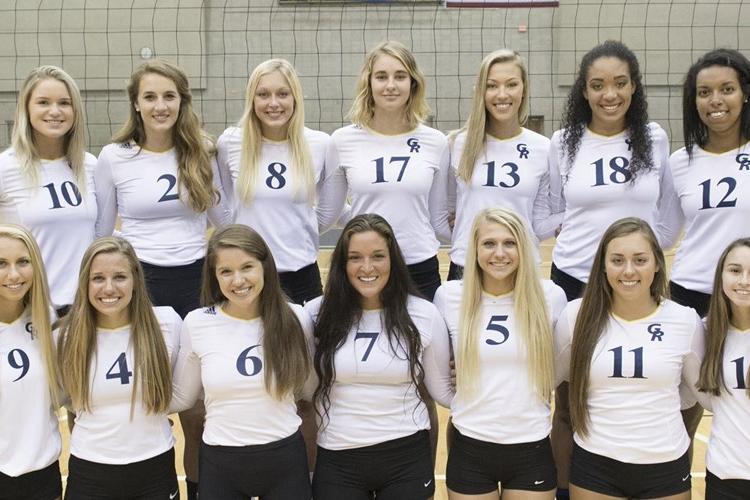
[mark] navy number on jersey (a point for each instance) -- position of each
(725, 202)
(69, 191)
(495, 326)
(373, 336)
(122, 373)
(244, 357)
(171, 183)
(509, 169)
(618, 171)
(740, 371)
(637, 363)
(380, 167)
(276, 178)
(20, 361)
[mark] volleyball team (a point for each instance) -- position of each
(276, 376)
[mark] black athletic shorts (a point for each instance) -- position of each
(151, 479)
(272, 471)
(475, 467)
(620, 479)
(394, 470)
(726, 489)
(42, 484)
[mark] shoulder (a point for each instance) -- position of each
(346, 132)
(672, 308)
(313, 135)
(658, 134)
(678, 157)
(421, 308)
(571, 309)
(553, 292)
(449, 290)
(313, 307)
(8, 158)
(166, 315)
(230, 135)
(428, 133)
(534, 137)
(203, 315)
(119, 150)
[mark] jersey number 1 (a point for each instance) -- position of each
(740, 370)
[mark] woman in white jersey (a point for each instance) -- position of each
(608, 162)
(378, 346)
(272, 169)
(160, 176)
(630, 348)
(494, 160)
(30, 440)
(116, 353)
(500, 320)
(248, 350)
(390, 163)
(725, 376)
(712, 172)
(46, 177)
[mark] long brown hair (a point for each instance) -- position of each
(718, 322)
(286, 357)
(596, 306)
(193, 146)
(152, 374)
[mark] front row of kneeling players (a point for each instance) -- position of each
(376, 347)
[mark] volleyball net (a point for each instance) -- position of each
(219, 42)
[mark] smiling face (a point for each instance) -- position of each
(390, 84)
(497, 257)
(609, 91)
(111, 289)
(240, 277)
(719, 100)
(368, 267)
(16, 273)
(503, 97)
(630, 266)
(158, 104)
(735, 279)
(273, 104)
(50, 110)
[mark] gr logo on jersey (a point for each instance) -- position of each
(413, 144)
(744, 160)
(30, 329)
(656, 332)
(523, 151)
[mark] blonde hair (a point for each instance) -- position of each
(193, 146)
(252, 136)
(22, 139)
(476, 124)
(152, 374)
(530, 308)
(37, 300)
(363, 106)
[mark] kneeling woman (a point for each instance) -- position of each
(630, 349)
(30, 440)
(500, 321)
(248, 350)
(116, 352)
(725, 376)
(377, 345)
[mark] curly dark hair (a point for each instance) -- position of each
(693, 128)
(578, 111)
(341, 309)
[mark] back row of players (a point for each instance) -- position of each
(290, 183)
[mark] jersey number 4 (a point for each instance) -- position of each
(122, 373)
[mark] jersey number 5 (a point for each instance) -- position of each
(495, 326)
